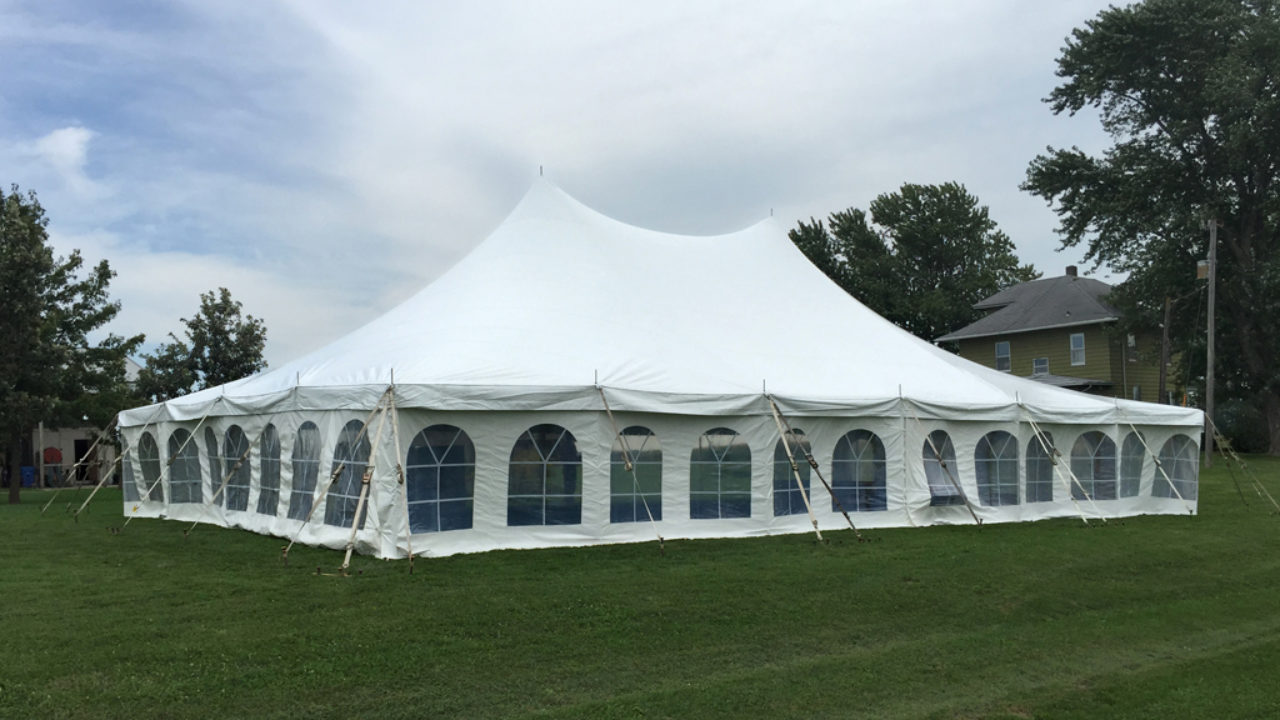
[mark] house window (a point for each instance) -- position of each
(1132, 351)
(1040, 366)
(1077, 348)
(1002, 356)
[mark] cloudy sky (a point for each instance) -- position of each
(324, 160)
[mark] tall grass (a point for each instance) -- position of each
(1146, 617)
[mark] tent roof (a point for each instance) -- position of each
(560, 299)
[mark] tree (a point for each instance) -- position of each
(49, 369)
(933, 253)
(220, 345)
(1187, 91)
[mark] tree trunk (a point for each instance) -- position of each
(15, 468)
(1272, 409)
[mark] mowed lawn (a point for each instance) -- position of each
(1153, 617)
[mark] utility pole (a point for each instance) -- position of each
(1162, 396)
(1208, 373)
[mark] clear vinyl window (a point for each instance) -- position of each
(629, 493)
(720, 476)
(544, 479)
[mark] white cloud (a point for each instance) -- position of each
(323, 160)
(66, 152)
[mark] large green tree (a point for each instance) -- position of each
(927, 255)
(50, 371)
(1189, 91)
(219, 344)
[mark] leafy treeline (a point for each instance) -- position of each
(50, 371)
(1189, 91)
(220, 344)
(927, 255)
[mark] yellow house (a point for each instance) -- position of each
(1062, 331)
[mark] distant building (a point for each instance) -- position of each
(1061, 331)
(55, 451)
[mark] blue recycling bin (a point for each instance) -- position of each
(28, 476)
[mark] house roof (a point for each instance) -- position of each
(1074, 383)
(1064, 301)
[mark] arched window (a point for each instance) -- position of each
(306, 468)
(149, 459)
(184, 473)
(1132, 457)
(269, 461)
(1179, 461)
(544, 480)
(440, 475)
(995, 464)
(235, 461)
(630, 492)
(858, 473)
(215, 466)
(1040, 468)
(127, 479)
(940, 469)
(720, 476)
(787, 498)
(350, 458)
(1093, 462)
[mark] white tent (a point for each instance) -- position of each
(501, 370)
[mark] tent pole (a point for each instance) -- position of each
(365, 480)
(404, 492)
(818, 471)
(795, 469)
(902, 417)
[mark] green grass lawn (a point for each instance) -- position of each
(1154, 617)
